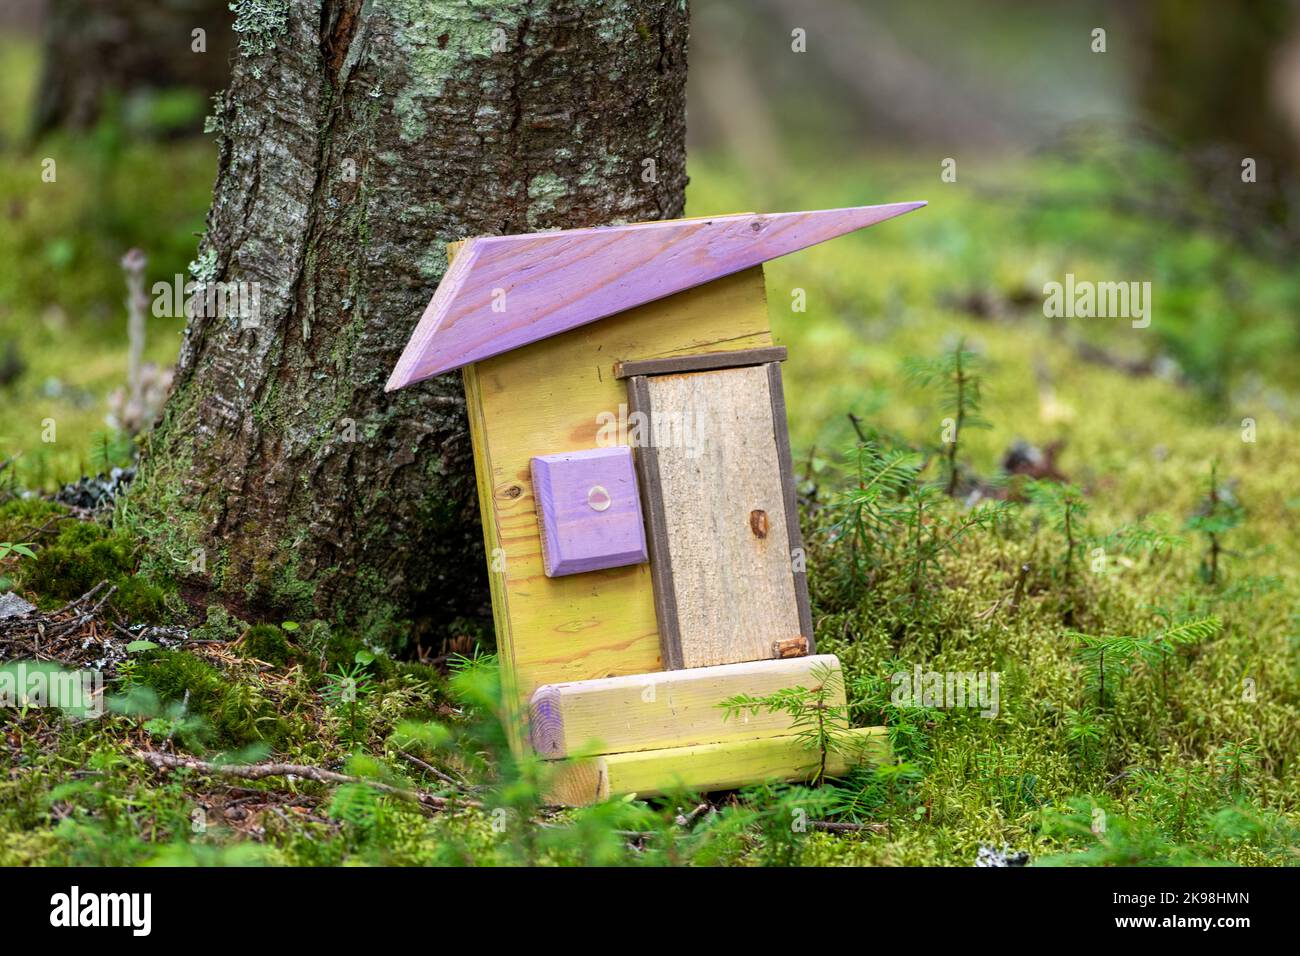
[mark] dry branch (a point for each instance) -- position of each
(161, 761)
(431, 769)
(831, 826)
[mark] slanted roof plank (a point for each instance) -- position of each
(504, 292)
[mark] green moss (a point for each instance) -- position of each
(341, 650)
(237, 713)
(83, 555)
(153, 511)
(140, 601)
(219, 625)
(267, 642)
(276, 583)
(173, 674)
(21, 517)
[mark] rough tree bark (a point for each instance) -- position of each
(360, 140)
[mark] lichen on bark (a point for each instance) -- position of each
(259, 23)
(351, 151)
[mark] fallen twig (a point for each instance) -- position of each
(831, 826)
(686, 819)
(86, 617)
(1020, 588)
(162, 761)
(431, 769)
(34, 532)
(78, 601)
(1120, 776)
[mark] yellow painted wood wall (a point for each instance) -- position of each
(545, 399)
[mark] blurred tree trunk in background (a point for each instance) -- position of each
(1217, 73)
(99, 49)
(356, 141)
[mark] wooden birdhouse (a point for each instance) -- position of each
(638, 499)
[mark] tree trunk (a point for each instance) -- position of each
(97, 50)
(1206, 77)
(356, 141)
(1223, 81)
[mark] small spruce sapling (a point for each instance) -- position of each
(957, 374)
(1236, 764)
(869, 510)
(1218, 514)
(1107, 659)
(782, 815)
(869, 790)
(1177, 794)
(933, 530)
(1065, 508)
(819, 723)
(1159, 647)
(109, 449)
(1148, 535)
(482, 742)
(1084, 731)
(1125, 841)
(346, 688)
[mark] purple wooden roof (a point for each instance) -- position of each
(504, 292)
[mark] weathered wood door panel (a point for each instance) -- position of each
(725, 544)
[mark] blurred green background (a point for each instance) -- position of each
(1122, 165)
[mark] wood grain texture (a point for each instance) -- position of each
(706, 767)
(732, 588)
(589, 510)
(670, 708)
(798, 558)
(515, 723)
(505, 292)
(654, 510)
(561, 395)
(700, 363)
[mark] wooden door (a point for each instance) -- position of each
(726, 554)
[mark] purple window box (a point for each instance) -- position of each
(589, 509)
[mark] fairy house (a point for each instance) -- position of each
(638, 502)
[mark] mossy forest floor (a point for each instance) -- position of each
(1138, 603)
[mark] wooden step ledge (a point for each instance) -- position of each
(670, 708)
(706, 767)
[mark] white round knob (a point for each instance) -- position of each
(598, 498)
